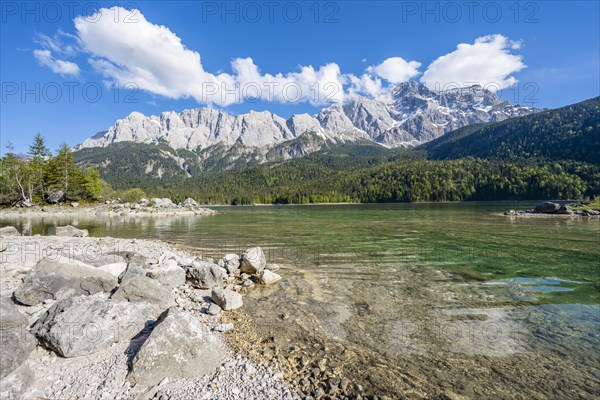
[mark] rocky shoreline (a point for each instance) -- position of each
(104, 318)
(549, 209)
(142, 208)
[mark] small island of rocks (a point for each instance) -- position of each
(551, 209)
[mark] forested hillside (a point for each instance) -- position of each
(403, 180)
(567, 133)
(130, 163)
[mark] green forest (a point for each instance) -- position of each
(567, 133)
(303, 181)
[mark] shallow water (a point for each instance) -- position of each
(413, 300)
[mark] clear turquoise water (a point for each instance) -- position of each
(463, 237)
(375, 279)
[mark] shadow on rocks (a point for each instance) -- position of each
(138, 341)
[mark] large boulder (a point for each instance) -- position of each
(139, 288)
(131, 270)
(231, 262)
(137, 259)
(253, 261)
(115, 269)
(71, 231)
(16, 343)
(95, 257)
(564, 209)
(60, 280)
(86, 324)
(205, 275)
(163, 203)
(55, 196)
(169, 274)
(179, 347)
(547, 208)
(189, 202)
(7, 231)
(226, 299)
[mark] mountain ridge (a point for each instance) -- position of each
(412, 116)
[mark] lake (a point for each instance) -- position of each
(445, 300)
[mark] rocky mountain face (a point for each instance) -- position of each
(412, 115)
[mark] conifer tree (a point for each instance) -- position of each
(62, 174)
(38, 156)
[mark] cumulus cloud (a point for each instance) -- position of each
(366, 84)
(487, 62)
(378, 80)
(396, 69)
(57, 66)
(153, 58)
(316, 86)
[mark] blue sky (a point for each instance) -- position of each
(59, 74)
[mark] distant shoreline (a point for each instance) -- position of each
(104, 211)
(548, 216)
(137, 210)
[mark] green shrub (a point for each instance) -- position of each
(132, 195)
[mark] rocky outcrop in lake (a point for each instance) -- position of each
(71, 231)
(551, 209)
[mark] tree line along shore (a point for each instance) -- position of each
(366, 176)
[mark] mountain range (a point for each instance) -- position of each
(204, 139)
(548, 154)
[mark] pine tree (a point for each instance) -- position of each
(62, 174)
(38, 149)
(39, 156)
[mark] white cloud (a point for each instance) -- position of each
(396, 69)
(57, 66)
(148, 55)
(316, 86)
(378, 80)
(365, 85)
(154, 58)
(59, 43)
(487, 62)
